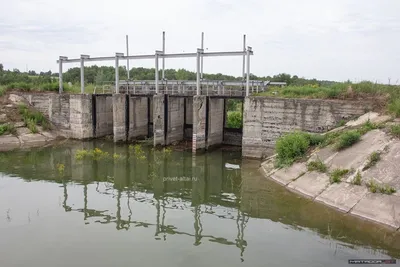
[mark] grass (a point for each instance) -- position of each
(7, 129)
(374, 187)
(395, 130)
(372, 160)
(3, 89)
(347, 139)
(234, 119)
(33, 119)
(337, 174)
(357, 179)
(387, 95)
(317, 165)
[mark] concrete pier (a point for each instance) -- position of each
(159, 120)
(103, 115)
(199, 122)
(119, 117)
(175, 127)
(81, 121)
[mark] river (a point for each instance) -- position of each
(140, 206)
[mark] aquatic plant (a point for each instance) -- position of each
(96, 154)
(60, 167)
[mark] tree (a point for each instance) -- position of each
(1, 67)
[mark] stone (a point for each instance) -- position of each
(9, 106)
(310, 184)
(355, 156)
(380, 208)
(8, 142)
(286, 175)
(19, 124)
(16, 98)
(23, 131)
(32, 139)
(342, 196)
(3, 118)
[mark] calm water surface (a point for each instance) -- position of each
(167, 209)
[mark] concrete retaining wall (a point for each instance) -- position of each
(81, 121)
(175, 119)
(232, 138)
(158, 120)
(266, 119)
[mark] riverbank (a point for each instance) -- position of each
(362, 180)
(22, 126)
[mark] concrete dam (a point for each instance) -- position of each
(199, 119)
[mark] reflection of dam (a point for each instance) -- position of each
(130, 193)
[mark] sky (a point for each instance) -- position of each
(330, 39)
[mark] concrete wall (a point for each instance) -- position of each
(199, 122)
(189, 110)
(59, 110)
(119, 117)
(266, 119)
(175, 119)
(215, 122)
(138, 117)
(232, 138)
(158, 120)
(104, 115)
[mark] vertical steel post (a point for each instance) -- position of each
(127, 54)
(117, 56)
(156, 72)
(248, 70)
(82, 75)
(60, 75)
(244, 57)
(199, 51)
(202, 48)
(163, 59)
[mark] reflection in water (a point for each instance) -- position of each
(169, 185)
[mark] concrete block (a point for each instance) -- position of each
(8, 142)
(286, 175)
(380, 208)
(310, 184)
(342, 196)
(22, 131)
(28, 140)
(199, 122)
(356, 155)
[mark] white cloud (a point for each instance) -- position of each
(335, 39)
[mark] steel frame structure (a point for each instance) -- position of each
(199, 55)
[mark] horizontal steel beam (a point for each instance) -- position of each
(203, 82)
(178, 55)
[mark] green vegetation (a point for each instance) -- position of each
(394, 107)
(317, 165)
(341, 123)
(7, 129)
(384, 189)
(234, 118)
(293, 146)
(95, 154)
(337, 174)
(357, 179)
(60, 168)
(372, 160)
(347, 139)
(33, 119)
(395, 130)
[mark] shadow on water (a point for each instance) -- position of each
(203, 185)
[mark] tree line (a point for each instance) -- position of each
(99, 74)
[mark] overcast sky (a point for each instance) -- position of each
(330, 39)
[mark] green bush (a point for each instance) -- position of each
(347, 139)
(234, 119)
(290, 147)
(337, 174)
(7, 129)
(316, 139)
(33, 118)
(20, 86)
(394, 107)
(395, 130)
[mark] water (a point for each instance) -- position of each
(167, 209)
